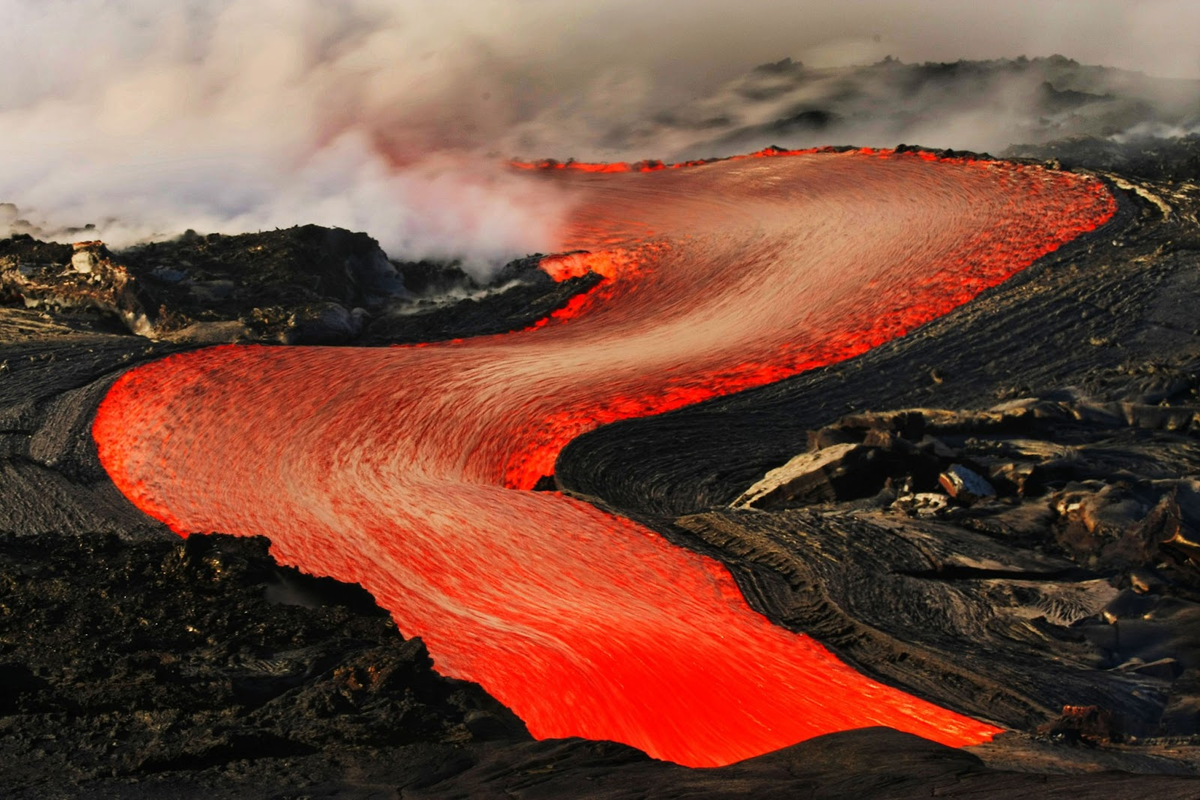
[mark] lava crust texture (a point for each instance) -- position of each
(396, 468)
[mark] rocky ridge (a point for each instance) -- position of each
(303, 285)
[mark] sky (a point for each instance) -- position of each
(709, 40)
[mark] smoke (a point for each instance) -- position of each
(146, 117)
(977, 105)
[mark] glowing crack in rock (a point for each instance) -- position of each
(403, 468)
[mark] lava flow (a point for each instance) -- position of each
(400, 468)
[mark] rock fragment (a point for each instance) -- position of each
(84, 259)
(965, 485)
(839, 472)
(1091, 724)
(922, 504)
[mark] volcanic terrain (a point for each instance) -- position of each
(978, 380)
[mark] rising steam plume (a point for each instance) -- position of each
(146, 118)
(238, 116)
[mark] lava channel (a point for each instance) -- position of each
(395, 468)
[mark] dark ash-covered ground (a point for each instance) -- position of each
(1060, 598)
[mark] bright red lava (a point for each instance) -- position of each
(396, 468)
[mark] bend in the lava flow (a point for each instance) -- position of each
(396, 467)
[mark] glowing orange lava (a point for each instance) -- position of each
(396, 467)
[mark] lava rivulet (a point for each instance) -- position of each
(403, 468)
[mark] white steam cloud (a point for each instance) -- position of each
(147, 117)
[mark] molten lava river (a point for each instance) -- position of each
(408, 469)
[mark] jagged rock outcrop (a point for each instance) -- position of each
(303, 285)
(82, 276)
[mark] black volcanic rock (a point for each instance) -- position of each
(305, 284)
(210, 288)
(1155, 158)
(309, 261)
(452, 305)
(84, 276)
(302, 285)
(838, 472)
(161, 656)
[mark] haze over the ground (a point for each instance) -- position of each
(147, 117)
